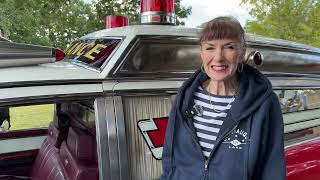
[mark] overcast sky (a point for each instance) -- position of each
(205, 10)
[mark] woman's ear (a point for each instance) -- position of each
(200, 52)
(242, 55)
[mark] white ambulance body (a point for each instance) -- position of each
(130, 94)
(112, 94)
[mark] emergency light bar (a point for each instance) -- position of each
(116, 21)
(19, 54)
(157, 12)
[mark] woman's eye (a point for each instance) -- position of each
(209, 48)
(230, 47)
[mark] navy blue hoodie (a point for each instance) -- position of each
(250, 142)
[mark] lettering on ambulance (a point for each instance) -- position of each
(84, 47)
(91, 53)
(79, 48)
(76, 48)
(96, 49)
(153, 131)
(70, 48)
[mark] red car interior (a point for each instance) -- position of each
(68, 153)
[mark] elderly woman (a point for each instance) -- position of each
(226, 123)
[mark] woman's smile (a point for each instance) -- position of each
(219, 68)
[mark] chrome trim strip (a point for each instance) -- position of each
(148, 85)
(294, 83)
(157, 13)
(104, 159)
(122, 139)
(112, 138)
(21, 144)
(102, 140)
(10, 62)
(34, 92)
(301, 116)
(47, 99)
(156, 17)
(302, 142)
(301, 125)
(164, 86)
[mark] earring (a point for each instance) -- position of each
(202, 69)
(241, 67)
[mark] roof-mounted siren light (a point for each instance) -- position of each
(116, 21)
(157, 12)
(255, 57)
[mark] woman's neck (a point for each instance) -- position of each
(222, 88)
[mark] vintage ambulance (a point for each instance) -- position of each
(106, 104)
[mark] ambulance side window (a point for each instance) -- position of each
(83, 111)
(25, 117)
(301, 114)
(298, 100)
(163, 56)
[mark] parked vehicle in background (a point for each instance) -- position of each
(106, 104)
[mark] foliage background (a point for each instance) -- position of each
(31, 117)
(58, 22)
(295, 20)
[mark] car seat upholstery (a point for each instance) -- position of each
(68, 153)
(48, 164)
(78, 154)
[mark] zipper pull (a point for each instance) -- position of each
(206, 164)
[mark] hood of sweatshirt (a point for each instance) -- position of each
(253, 90)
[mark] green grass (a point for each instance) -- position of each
(29, 117)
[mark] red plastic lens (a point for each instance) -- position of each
(166, 6)
(116, 21)
(58, 54)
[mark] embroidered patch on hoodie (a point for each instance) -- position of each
(237, 139)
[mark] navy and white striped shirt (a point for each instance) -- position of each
(209, 123)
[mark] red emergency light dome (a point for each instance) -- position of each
(116, 21)
(157, 12)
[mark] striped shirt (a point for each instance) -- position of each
(209, 122)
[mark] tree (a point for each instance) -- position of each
(59, 22)
(296, 20)
(66, 20)
(130, 9)
(50, 23)
(17, 21)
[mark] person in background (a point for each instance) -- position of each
(226, 122)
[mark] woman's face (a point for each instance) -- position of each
(221, 57)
